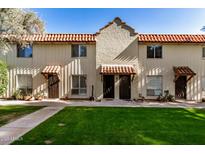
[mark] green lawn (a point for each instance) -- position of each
(11, 113)
(101, 125)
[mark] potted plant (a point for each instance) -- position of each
(39, 96)
(28, 97)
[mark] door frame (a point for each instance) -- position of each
(185, 87)
(57, 91)
(113, 76)
(120, 97)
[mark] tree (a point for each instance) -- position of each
(203, 28)
(3, 77)
(13, 24)
(17, 22)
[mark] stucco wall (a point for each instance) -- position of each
(51, 54)
(116, 45)
(173, 55)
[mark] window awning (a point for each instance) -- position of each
(51, 70)
(183, 71)
(117, 69)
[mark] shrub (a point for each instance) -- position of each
(166, 98)
(3, 77)
(17, 94)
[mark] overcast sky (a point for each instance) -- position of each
(143, 20)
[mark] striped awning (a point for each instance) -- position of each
(183, 71)
(51, 70)
(117, 69)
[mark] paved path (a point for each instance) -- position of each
(138, 104)
(16, 129)
(113, 103)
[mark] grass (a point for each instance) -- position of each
(101, 125)
(11, 113)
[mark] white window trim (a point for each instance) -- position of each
(154, 89)
(27, 87)
(79, 94)
(155, 51)
(79, 46)
(17, 50)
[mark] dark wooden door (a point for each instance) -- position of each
(53, 86)
(125, 87)
(108, 86)
(180, 87)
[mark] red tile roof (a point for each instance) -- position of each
(183, 70)
(117, 69)
(51, 70)
(61, 37)
(152, 38)
(57, 37)
(172, 38)
(164, 38)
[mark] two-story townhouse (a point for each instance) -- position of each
(116, 63)
(59, 65)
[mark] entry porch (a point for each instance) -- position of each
(118, 81)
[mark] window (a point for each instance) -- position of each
(203, 86)
(154, 51)
(203, 83)
(79, 86)
(24, 83)
(24, 51)
(79, 51)
(154, 85)
(203, 52)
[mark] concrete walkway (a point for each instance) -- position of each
(106, 103)
(14, 130)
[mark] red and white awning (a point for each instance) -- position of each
(51, 70)
(117, 69)
(183, 71)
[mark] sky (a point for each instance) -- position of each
(164, 21)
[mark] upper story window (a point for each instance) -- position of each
(79, 50)
(154, 51)
(203, 52)
(25, 51)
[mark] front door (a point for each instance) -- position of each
(108, 86)
(53, 86)
(180, 87)
(125, 87)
